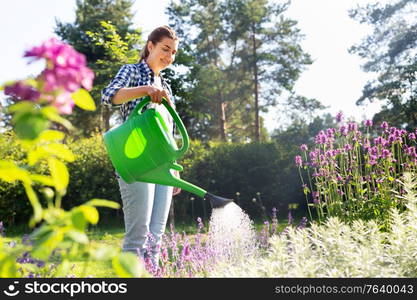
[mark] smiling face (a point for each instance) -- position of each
(161, 54)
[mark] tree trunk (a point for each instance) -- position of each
(256, 86)
(223, 122)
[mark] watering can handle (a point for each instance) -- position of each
(175, 116)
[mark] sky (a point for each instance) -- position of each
(335, 78)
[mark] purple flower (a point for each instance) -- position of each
(412, 136)
(343, 130)
(303, 147)
(384, 125)
(22, 91)
(290, 218)
(339, 117)
(303, 223)
(368, 123)
(330, 132)
(379, 140)
(314, 154)
(385, 153)
(348, 147)
(316, 196)
(352, 126)
(298, 161)
(373, 159)
(321, 138)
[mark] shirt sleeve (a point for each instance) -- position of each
(121, 80)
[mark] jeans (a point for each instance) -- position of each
(146, 208)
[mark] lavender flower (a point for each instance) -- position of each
(339, 117)
(368, 123)
(290, 218)
(298, 161)
(303, 223)
(303, 147)
(343, 130)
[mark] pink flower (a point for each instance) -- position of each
(339, 117)
(66, 68)
(298, 161)
(368, 123)
(64, 103)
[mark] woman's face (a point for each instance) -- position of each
(162, 54)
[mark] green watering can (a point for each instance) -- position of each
(143, 149)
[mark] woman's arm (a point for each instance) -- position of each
(126, 94)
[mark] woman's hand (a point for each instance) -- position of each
(157, 94)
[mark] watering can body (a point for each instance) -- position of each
(144, 149)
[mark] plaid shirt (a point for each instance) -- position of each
(131, 75)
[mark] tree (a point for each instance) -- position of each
(390, 51)
(89, 14)
(246, 55)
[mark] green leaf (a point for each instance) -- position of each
(83, 100)
(47, 244)
(103, 203)
(8, 267)
(35, 155)
(29, 125)
(60, 150)
(51, 135)
(52, 114)
(63, 269)
(78, 220)
(90, 213)
(45, 180)
(59, 174)
(22, 106)
(9, 172)
(33, 199)
(127, 265)
(77, 236)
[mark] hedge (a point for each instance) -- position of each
(261, 171)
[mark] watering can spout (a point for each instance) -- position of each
(217, 201)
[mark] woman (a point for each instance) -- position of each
(145, 206)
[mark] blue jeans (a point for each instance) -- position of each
(146, 208)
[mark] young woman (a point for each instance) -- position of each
(145, 205)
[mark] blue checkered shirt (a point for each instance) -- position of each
(131, 75)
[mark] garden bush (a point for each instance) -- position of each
(263, 172)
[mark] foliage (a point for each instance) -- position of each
(390, 52)
(60, 235)
(337, 249)
(90, 15)
(227, 64)
(354, 174)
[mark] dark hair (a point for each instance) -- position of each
(156, 36)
